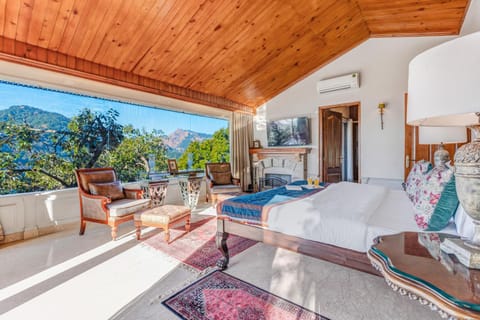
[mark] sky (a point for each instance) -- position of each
(140, 117)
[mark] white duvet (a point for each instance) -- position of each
(347, 215)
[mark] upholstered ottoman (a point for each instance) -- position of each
(162, 217)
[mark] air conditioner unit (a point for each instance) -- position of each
(349, 81)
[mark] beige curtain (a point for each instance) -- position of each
(241, 135)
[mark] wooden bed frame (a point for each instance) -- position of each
(341, 256)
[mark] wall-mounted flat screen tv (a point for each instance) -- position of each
(288, 132)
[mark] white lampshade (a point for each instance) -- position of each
(437, 135)
(444, 84)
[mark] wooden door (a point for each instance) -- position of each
(332, 146)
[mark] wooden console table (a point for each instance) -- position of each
(412, 264)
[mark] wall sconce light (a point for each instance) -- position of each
(381, 108)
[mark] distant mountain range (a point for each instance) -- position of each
(37, 118)
(176, 142)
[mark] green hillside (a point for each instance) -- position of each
(36, 118)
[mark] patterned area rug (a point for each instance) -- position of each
(221, 296)
(197, 248)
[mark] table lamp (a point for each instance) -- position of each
(439, 136)
(443, 90)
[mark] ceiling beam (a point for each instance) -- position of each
(19, 52)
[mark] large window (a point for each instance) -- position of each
(46, 134)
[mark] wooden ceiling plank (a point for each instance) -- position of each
(141, 33)
(116, 28)
(94, 11)
(252, 42)
(100, 31)
(24, 18)
(172, 27)
(203, 27)
(60, 24)
(39, 11)
(235, 35)
(155, 25)
(3, 15)
(178, 47)
(123, 33)
(340, 14)
(80, 9)
(290, 66)
(48, 23)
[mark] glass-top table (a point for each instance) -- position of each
(413, 264)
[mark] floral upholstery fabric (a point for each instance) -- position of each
(415, 177)
(430, 189)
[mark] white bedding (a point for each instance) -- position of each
(346, 215)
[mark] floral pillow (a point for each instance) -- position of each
(429, 192)
(415, 177)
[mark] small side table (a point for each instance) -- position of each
(156, 191)
(413, 264)
(190, 190)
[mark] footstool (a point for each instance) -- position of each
(162, 217)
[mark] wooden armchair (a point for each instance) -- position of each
(104, 200)
(219, 180)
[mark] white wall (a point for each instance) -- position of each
(383, 65)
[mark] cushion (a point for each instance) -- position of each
(95, 176)
(463, 223)
(415, 177)
(123, 207)
(445, 208)
(226, 188)
(429, 193)
(112, 190)
(220, 178)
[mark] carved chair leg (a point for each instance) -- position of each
(167, 235)
(138, 231)
(83, 225)
(221, 240)
(114, 232)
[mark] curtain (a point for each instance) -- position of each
(241, 135)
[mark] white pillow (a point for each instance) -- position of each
(463, 223)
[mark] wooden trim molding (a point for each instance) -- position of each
(266, 151)
(33, 56)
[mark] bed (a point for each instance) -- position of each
(337, 223)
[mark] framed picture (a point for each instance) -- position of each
(172, 166)
(256, 144)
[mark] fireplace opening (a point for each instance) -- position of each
(274, 180)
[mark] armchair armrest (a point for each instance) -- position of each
(133, 193)
(236, 181)
(94, 207)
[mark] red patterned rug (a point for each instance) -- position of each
(197, 248)
(221, 296)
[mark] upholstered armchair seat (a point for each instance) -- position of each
(104, 200)
(225, 189)
(220, 180)
(124, 207)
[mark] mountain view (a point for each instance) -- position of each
(37, 118)
(176, 142)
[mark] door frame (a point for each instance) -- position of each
(321, 109)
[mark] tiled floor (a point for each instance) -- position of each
(65, 276)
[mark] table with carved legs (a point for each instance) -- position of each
(413, 265)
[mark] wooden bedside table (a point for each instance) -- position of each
(412, 264)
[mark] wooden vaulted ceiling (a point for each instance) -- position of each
(231, 54)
